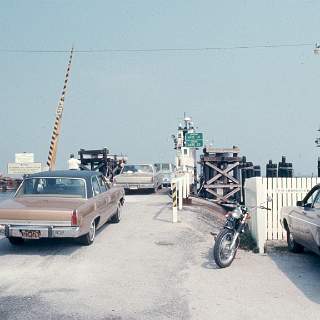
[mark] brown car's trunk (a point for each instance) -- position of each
(33, 209)
(135, 178)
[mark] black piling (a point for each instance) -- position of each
(285, 169)
(271, 170)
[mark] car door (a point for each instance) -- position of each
(296, 220)
(114, 199)
(299, 225)
(99, 199)
(113, 196)
(110, 202)
(311, 222)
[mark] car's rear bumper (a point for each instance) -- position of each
(45, 231)
(136, 186)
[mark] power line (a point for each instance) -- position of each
(155, 50)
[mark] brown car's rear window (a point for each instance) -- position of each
(53, 186)
(137, 168)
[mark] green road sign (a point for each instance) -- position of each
(194, 140)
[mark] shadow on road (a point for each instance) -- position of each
(41, 247)
(303, 270)
(209, 261)
(44, 247)
(159, 212)
(28, 307)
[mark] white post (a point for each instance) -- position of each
(256, 193)
(174, 201)
(175, 215)
(180, 192)
(261, 215)
(184, 180)
(188, 183)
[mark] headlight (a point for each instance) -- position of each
(236, 213)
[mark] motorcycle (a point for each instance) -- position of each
(228, 239)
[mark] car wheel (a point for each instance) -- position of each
(89, 237)
(293, 246)
(16, 241)
(117, 216)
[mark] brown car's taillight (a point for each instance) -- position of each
(74, 218)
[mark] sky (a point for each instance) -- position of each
(264, 100)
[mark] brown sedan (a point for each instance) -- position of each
(60, 204)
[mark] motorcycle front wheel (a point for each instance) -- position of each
(222, 253)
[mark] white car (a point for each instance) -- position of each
(166, 172)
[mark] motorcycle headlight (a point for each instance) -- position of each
(236, 213)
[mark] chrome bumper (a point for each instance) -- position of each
(135, 186)
(45, 231)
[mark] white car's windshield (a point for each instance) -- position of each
(137, 168)
(61, 187)
(165, 167)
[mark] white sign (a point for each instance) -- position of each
(24, 157)
(24, 168)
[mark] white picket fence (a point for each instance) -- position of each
(265, 225)
(180, 186)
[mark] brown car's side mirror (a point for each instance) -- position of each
(299, 203)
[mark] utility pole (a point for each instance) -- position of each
(316, 51)
(51, 162)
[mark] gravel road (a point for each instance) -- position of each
(145, 267)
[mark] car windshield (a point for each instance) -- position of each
(53, 187)
(139, 168)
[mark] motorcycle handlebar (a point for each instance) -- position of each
(233, 204)
(255, 207)
(265, 208)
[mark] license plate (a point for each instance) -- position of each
(30, 234)
(133, 187)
